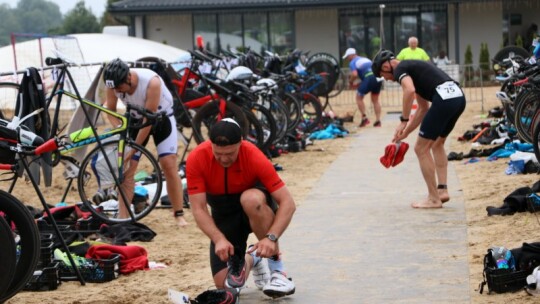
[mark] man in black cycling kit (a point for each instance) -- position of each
(429, 84)
(145, 88)
(245, 195)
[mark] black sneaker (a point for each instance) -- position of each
(236, 273)
(377, 123)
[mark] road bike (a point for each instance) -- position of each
(100, 173)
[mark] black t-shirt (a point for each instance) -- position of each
(425, 76)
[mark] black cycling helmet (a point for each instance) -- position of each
(115, 73)
(379, 59)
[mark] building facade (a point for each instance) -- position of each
(332, 26)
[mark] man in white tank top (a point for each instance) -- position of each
(145, 88)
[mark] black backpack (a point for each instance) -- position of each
(33, 98)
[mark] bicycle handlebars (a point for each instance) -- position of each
(200, 55)
(152, 117)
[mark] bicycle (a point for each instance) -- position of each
(93, 181)
(101, 172)
(310, 105)
(294, 80)
(25, 234)
(8, 255)
(213, 106)
(24, 261)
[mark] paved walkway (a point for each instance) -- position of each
(355, 238)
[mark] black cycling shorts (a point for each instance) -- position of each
(233, 222)
(441, 117)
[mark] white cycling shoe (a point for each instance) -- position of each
(261, 273)
(279, 285)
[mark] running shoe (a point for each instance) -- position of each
(377, 123)
(261, 273)
(279, 285)
(236, 273)
(365, 122)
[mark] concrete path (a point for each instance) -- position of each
(355, 239)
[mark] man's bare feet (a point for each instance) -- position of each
(443, 195)
(181, 221)
(442, 189)
(427, 203)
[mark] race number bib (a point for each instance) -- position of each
(449, 90)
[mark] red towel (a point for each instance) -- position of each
(132, 257)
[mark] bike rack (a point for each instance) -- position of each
(53, 221)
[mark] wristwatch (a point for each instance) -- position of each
(272, 237)
(403, 119)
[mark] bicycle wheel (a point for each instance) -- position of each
(311, 112)
(8, 99)
(261, 125)
(295, 110)
(28, 244)
(342, 82)
(328, 64)
(208, 115)
(536, 140)
(101, 195)
(280, 112)
(8, 255)
(527, 105)
(512, 92)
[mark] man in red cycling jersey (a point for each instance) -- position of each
(245, 195)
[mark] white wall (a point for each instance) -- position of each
(176, 30)
(480, 23)
(317, 31)
(139, 27)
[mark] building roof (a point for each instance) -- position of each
(138, 6)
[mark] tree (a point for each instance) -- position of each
(469, 70)
(519, 41)
(10, 24)
(79, 20)
(37, 16)
(484, 61)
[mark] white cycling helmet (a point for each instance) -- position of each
(239, 73)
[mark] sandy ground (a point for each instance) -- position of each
(185, 250)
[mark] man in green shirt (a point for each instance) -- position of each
(413, 52)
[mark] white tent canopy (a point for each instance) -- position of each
(93, 47)
(79, 49)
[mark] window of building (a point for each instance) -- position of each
(434, 31)
(230, 31)
(257, 31)
(361, 28)
(206, 27)
(352, 33)
(281, 32)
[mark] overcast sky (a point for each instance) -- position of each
(97, 6)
